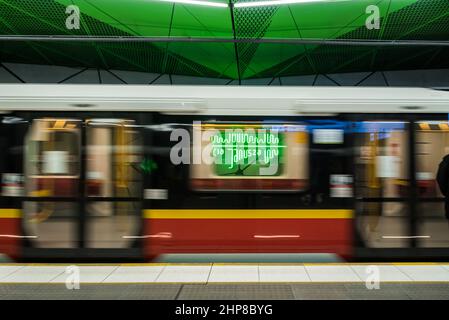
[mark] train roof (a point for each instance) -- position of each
(222, 100)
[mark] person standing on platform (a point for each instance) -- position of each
(443, 182)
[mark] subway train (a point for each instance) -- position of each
(126, 172)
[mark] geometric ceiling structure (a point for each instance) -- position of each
(231, 41)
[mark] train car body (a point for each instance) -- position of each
(136, 172)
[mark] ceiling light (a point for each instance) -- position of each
(200, 3)
(277, 3)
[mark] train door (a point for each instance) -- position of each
(431, 221)
(12, 130)
(82, 188)
(113, 183)
(400, 208)
(382, 186)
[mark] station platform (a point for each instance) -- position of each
(225, 281)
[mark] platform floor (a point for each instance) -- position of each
(226, 273)
(226, 281)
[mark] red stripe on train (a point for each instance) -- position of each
(9, 237)
(248, 235)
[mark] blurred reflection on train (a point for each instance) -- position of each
(145, 172)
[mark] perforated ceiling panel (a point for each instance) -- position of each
(399, 20)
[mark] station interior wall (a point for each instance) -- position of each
(30, 73)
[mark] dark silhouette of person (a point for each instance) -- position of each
(443, 182)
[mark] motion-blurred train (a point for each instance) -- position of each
(103, 172)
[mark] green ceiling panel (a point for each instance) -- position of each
(426, 19)
(135, 17)
(204, 23)
(316, 21)
(281, 24)
(251, 23)
(200, 22)
(400, 19)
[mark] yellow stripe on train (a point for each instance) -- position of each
(10, 213)
(248, 214)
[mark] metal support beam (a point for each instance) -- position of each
(237, 61)
(312, 41)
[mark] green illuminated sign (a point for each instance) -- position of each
(248, 152)
(148, 165)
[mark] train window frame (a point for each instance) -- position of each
(135, 151)
(34, 155)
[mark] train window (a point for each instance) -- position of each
(114, 152)
(52, 157)
(381, 159)
(250, 156)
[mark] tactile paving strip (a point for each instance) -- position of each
(309, 291)
(236, 292)
(89, 292)
(386, 291)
